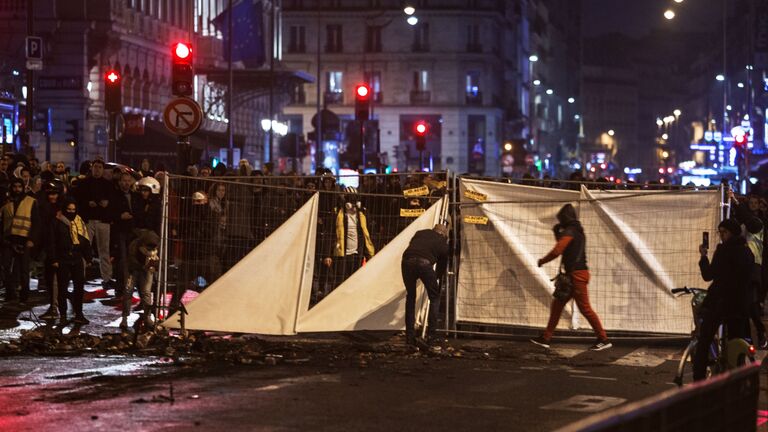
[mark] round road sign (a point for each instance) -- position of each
(182, 116)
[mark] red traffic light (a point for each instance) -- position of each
(362, 91)
(182, 51)
(420, 128)
(112, 76)
(740, 140)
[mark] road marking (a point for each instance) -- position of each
(593, 377)
(645, 357)
(585, 403)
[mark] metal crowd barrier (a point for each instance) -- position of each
(727, 402)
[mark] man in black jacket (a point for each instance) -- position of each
(752, 228)
(94, 193)
(121, 209)
(427, 248)
(728, 297)
(69, 250)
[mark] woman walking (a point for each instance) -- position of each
(572, 244)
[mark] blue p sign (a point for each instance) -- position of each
(34, 47)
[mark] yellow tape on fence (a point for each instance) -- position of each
(411, 213)
(476, 196)
(416, 192)
(476, 220)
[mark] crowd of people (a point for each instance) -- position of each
(108, 218)
(59, 221)
(216, 216)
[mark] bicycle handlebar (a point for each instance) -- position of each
(686, 290)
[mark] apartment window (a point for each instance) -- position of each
(473, 94)
(473, 38)
(373, 39)
(296, 39)
(333, 38)
(373, 78)
(334, 82)
(334, 85)
(421, 37)
(420, 91)
(421, 80)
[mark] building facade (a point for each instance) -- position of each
(84, 39)
(449, 71)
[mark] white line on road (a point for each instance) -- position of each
(593, 377)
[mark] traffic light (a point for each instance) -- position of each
(182, 72)
(740, 141)
(362, 102)
(113, 91)
(421, 129)
(73, 133)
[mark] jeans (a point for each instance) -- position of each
(711, 320)
(580, 279)
(17, 259)
(98, 231)
(73, 270)
(143, 280)
(414, 269)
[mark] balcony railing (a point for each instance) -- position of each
(419, 97)
(475, 99)
(334, 98)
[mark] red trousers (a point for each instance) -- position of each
(580, 279)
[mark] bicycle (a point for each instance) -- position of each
(722, 356)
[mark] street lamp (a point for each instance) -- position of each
(412, 20)
(678, 1)
(720, 77)
(537, 82)
(409, 10)
(550, 92)
(659, 122)
(664, 136)
(611, 132)
(740, 85)
(677, 112)
(533, 58)
(571, 100)
(669, 14)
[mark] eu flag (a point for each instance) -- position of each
(247, 32)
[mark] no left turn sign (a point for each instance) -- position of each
(182, 116)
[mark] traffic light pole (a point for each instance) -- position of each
(30, 120)
(182, 153)
(112, 143)
(362, 142)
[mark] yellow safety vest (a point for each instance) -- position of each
(18, 223)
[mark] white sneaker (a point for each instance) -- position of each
(601, 345)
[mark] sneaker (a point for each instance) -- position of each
(79, 319)
(540, 341)
(601, 345)
(50, 314)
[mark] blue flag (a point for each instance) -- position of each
(247, 33)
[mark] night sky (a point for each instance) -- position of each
(639, 17)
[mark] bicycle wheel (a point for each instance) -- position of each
(685, 367)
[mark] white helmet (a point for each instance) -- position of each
(151, 183)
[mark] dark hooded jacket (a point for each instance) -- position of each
(575, 255)
(729, 273)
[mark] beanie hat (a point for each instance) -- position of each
(731, 225)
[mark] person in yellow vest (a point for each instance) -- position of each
(353, 241)
(69, 250)
(21, 231)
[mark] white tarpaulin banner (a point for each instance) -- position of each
(373, 298)
(640, 244)
(264, 292)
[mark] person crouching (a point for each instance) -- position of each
(143, 261)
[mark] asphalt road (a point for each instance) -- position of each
(493, 385)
